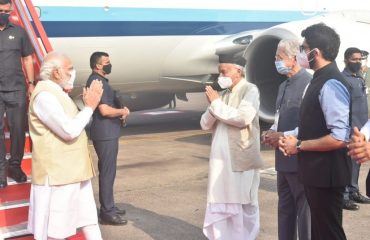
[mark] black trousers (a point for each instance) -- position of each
(14, 105)
(107, 151)
(353, 187)
(326, 212)
(368, 184)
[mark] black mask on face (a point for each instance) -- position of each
(4, 19)
(107, 68)
(354, 67)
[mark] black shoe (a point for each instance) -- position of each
(120, 211)
(357, 197)
(17, 174)
(3, 183)
(112, 220)
(350, 205)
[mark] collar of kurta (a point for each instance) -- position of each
(241, 83)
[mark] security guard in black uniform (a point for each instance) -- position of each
(105, 132)
(15, 47)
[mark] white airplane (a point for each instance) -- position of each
(165, 47)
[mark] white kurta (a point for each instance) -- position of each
(56, 211)
(232, 202)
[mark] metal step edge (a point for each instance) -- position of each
(14, 231)
(14, 204)
(26, 155)
(12, 182)
(7, 135)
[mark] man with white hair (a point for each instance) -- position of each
(232, 202)
(62, 198)
(293, 209)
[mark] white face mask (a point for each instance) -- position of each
(303, 61)
(224, 82)
(281, 68)
(68, 85)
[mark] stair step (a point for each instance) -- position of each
(23, 237)
(15, 231)
(15, 192)
(13, 216)
(79, 236)
(27, 164)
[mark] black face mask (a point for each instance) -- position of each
(4, 19)
(354, 67)
(107, 68)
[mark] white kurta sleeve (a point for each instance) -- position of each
(51, 113)
(366, 130)
(274, 127)
(292, 132)
(241, 116)
(207, 121)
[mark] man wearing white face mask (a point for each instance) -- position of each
(232, 203)
(62, 198)
(293, 209)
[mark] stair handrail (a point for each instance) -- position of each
(26, 22)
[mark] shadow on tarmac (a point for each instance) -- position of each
(160, 227)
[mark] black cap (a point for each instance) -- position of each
(232, 59)
(364, 53)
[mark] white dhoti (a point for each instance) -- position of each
(57, 211)
(231, 222)
(232, 204)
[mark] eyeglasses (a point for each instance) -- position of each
(303, 48)
(5, 11)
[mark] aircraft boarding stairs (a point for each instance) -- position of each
(14, 199)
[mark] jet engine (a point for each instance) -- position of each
(354, 31)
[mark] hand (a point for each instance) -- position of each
(91, 95)
(271, 138)
(211, 94)
(359, 149)
(30, 89)
(125, 112)
(288, 145)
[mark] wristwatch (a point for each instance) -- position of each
(31, 82)
(298, 146)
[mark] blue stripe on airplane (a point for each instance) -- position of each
(165, 14)
(100, 29)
